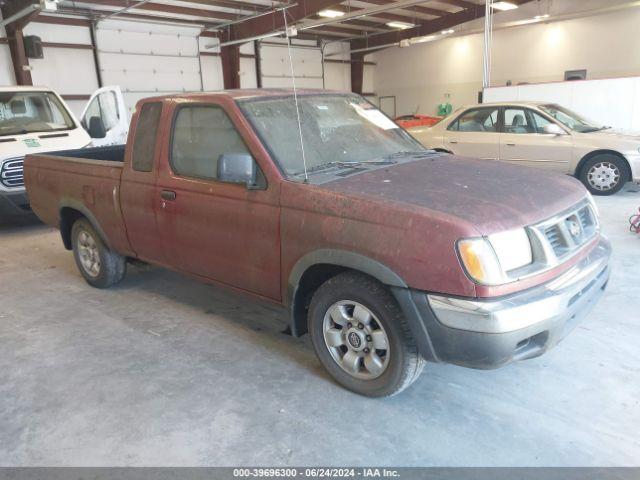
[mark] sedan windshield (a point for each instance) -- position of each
(570, 119)
(29, 112)
(337, 131)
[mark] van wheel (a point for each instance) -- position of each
(100, 266)
(604, 174)
(361, 336)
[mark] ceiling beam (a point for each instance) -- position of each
(423, 28)
(462, 3)
(275, 22)
(416, 8)
(167, 10)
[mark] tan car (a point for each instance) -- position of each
(541, 135)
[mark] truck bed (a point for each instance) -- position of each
(86, 180)
(114, 153)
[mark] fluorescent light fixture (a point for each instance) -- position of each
(425, 38)
(446, 32)
(330, 13)
(541, 17)
(504, 6)
(400, 25)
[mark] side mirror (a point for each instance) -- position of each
(553, 129)
(237, 168)
(97, 128)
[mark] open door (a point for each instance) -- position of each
(105, 117)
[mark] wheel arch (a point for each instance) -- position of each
(315, 268)
(70, 212)
(602, 151)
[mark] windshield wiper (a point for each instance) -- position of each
(344, 164)
(409, 153)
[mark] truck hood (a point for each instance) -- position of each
(20, 145)
(490, 196)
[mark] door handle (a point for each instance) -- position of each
(511, 144)
(453, 141)
(168, 195)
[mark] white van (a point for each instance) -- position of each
(34, 120)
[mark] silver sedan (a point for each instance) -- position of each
(541, 135)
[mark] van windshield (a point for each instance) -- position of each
(28, 112)
(337, 130)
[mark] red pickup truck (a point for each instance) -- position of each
(388, 254)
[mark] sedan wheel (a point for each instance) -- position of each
(603, 176)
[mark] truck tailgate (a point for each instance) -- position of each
(92, 187)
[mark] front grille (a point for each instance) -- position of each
(11, 173)
(569, 232)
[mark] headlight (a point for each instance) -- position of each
(487, 260)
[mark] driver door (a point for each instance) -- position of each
(221, 231)
(106, 108)
(524, 142)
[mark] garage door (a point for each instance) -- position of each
(148, 59)
(275, 66)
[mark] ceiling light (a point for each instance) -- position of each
(330, 13)
(445, 32)
(400, 25)
(504, 6)
(541, 17)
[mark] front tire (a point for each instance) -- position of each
(361, 337)
(100, 266)
(604, 174)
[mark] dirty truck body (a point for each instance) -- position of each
(415, 256)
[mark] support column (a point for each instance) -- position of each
(18, 56)
(230, 56)
(357, 72)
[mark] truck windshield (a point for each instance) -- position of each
(337, 130)
(570, 119)
(28, 112)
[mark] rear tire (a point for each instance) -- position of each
(100, 266)
(604, 174)
(361, 337)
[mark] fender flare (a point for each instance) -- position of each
(340, 258)
(361, 263)
(84, 211)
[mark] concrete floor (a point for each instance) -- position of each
(162, 370)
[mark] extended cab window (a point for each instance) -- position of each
(144, 142)
(201, 135)
(477, 120)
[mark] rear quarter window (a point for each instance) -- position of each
(145, 137)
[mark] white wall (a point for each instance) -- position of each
(607, 45)
(613, 102)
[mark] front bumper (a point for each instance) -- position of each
(634, 163)
(489, 333)
(14, 203)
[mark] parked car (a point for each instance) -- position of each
(36, 119)
(388, 254)
(416, 120)
(540, 135)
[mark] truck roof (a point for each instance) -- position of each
(248, 93)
